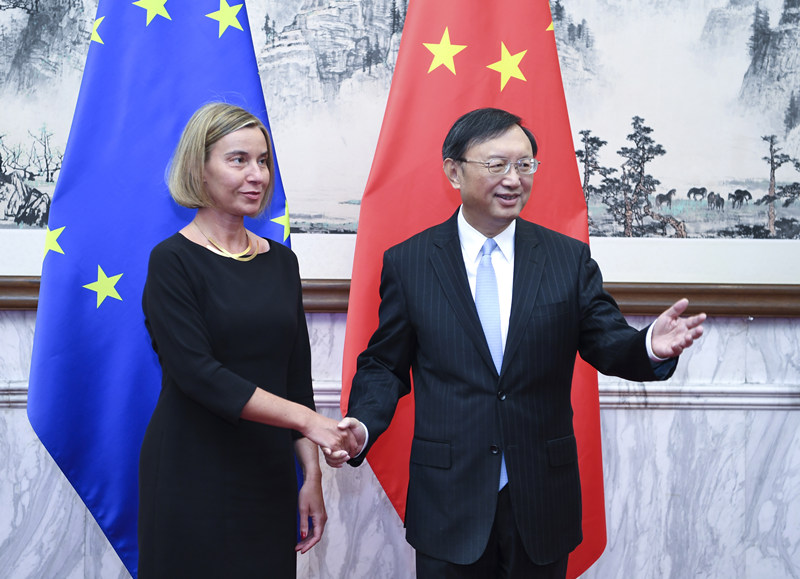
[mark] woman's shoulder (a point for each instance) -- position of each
(174, 248)
(280, 250)
(172, 244)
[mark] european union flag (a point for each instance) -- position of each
(94, 377)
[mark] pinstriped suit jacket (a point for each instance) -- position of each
(465, 412)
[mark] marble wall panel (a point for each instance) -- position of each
(675, 493)
(364, 536)
(41, 520)
(16, 341)
(697, 488)
(771, 541)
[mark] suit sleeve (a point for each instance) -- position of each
(607, 341)
(182, 341)
(383, 370)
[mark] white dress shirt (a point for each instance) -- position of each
(472, 241)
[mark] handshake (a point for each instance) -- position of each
(339, 441)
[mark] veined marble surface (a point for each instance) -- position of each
(702, 473)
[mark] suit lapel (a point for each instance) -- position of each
(528, 268)
(448, 263)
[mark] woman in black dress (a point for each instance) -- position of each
(218, 489)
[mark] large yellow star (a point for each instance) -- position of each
(95, 35)
(51, 241)
(444, 52)
(284, 220)
(104, 286)
(508, 65)
(154, 8)
(226, 16)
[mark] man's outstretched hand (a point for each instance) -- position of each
(672, 334)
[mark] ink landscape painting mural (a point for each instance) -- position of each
(685, 113)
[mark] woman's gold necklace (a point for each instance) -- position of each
(242, 256)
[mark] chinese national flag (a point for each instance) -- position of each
(456, 56)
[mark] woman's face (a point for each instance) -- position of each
(236, 174)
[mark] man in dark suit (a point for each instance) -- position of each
(494, 489)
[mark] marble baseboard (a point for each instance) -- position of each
(631, 396)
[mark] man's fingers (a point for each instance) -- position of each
(676, 309)
(347, 423)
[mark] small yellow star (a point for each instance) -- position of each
(51, 241)
(226, 16)
(284, 220)
(508, 65)
(444, 52)
(95, 35)
(104, 286)
(154, 8)
(550, 28)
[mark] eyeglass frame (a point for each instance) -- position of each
(534, 163)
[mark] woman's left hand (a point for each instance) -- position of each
(311, 505)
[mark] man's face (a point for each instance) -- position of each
(491, 202)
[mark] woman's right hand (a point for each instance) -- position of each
(336, 444)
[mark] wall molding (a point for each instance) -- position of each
(625, 395)
(331, 296)
(660, 395)
(13, 396)
(654, 396)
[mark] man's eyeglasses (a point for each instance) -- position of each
(502, 166)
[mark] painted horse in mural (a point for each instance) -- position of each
(697, 193)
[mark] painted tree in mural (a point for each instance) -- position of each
(588, 157)
(792, 117)
(398, 16)
(270, 32)
(28, 6)
(639, 183)
(775, 160)
(628, 196)
(20, 202)
(46, 159)
(759, 41)
(642, 184)
(15, 161)
(790, 194)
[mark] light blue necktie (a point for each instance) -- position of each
(488, 305)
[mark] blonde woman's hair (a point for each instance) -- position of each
(209, 124)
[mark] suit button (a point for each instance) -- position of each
(501, 395)
(494, 449)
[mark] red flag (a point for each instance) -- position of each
(456, 56)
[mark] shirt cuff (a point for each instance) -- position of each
(366, 440)
(649, 344)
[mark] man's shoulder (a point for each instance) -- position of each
(528, 229)
(426, 238)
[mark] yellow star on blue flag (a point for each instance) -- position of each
(104, 287)
(226, 16)
(51, 241)
(283, 220)
(94, 377)
(154, 8)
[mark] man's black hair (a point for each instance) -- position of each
(479, 126)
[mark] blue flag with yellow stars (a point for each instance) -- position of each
(94, 377)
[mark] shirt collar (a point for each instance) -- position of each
(472, 240)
